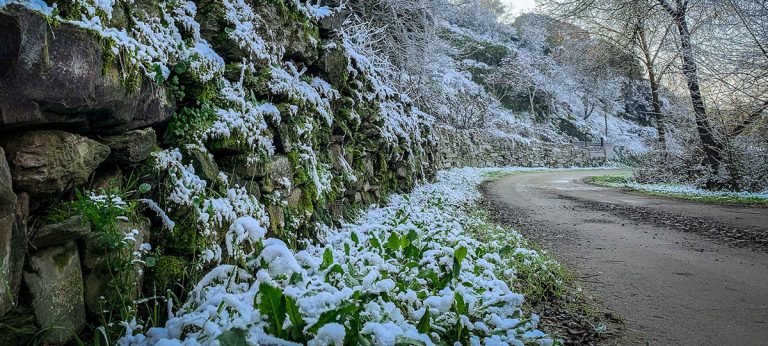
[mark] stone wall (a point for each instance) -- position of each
(98, 160)
(478, 148)
(74, 122)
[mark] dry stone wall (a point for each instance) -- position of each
(81, 191)
(479, 148)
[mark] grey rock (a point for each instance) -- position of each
(282, 30)
(330, 25)
(96, 292)
(8, 203)
(336, 154)
(19, 243)
(250, 170)
(130, 147)
(57, 233)
(333, 66)
(294, 199)
(45, 163)
(276, 218)
(368, 168)
(203, 163)
(275, 26)
(281, 168)
(55, 286)
(56, 76)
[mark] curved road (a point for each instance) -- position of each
(671, 287)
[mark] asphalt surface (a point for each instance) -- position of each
(677, 272)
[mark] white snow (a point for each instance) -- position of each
(369, 257)
(693, 191)
(329, 334)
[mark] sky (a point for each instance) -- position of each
(519, 6)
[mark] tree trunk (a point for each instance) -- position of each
(531, 98)
(712, 148)
(655, 101)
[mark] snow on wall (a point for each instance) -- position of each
(479, 148)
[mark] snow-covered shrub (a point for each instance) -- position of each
(752, 159)
(743, 165)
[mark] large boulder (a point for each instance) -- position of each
(45, 163)
(55, 286)
(62, 76)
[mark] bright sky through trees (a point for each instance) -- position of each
(520, 6)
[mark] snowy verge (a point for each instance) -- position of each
(696, 192)
(407, 272)
(682, 191)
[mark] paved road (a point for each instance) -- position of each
(671, 287)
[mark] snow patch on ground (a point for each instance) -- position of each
(693, 191)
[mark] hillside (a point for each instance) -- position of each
(535, 79)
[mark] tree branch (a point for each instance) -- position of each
(739, 129)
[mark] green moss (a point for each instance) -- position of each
(59, 213)
(257, 81)
(128, 73)
(169, 271)
(69, 9)
(61, 259)
(301, 174)
(306, 205)
(183, 240)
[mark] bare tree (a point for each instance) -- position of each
(712, 147)
(633, 25)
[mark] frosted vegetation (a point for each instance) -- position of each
(680, 190)
(531, 79)
(696, 192)
(412, 271)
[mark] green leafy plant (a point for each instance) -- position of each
(188, 122)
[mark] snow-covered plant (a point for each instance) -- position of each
(407, 272)
(116, 249)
